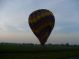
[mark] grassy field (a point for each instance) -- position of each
(31, 51)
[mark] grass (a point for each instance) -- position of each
(31, 51)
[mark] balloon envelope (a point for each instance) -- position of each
(42, 23)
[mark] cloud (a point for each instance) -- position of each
(66, 15)
(29, 37)
(18, 37)
(15, 14)
(63, 38)
(14, 18)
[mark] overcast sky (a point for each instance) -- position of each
(14, 20)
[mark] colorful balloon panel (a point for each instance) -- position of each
(42, 23)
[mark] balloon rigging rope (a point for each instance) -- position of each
(53, 37)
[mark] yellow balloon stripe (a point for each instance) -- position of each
(42, 27)
(38, 17)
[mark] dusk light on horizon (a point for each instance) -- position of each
(14, 27)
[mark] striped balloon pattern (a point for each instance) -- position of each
(42, 23)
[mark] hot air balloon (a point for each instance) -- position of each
(41, 23)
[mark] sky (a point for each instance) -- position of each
(14, 25)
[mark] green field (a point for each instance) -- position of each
(31, 51)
